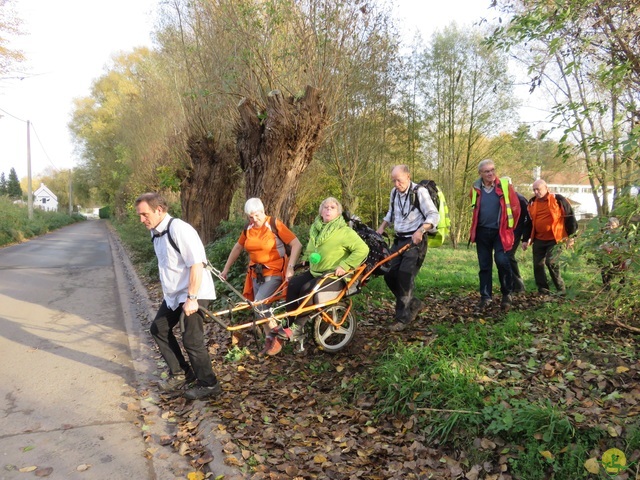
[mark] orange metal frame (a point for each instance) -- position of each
(356, 280)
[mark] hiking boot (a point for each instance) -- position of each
(176, 382)
(268, 342)
(399, 326)
(415, 307)
(518, 286)
(484, 303)
(201, 391)
(275, 347)
(297, 328)
(505, 304)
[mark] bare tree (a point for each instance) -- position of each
(468, 98)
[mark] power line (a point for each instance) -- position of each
(12, 116)
(33, 128)
(43, 149)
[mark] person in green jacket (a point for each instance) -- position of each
(334, 248)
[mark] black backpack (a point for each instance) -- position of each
(378, 248)
(431, 187)
(436, 239)
(570, 222)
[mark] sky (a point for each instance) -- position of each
(69, 43)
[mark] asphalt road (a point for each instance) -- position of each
(70, 363)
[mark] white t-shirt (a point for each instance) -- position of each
(174, 266)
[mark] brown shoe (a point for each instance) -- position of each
(276, 346)
(268, 342)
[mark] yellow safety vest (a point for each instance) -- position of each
(505, 189)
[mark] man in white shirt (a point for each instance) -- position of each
(185, 282)
(413, 214)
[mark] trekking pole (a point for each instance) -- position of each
(219, 276)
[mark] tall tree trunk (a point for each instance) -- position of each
(277, 145)
(207, 186)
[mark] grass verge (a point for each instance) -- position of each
(16, 227)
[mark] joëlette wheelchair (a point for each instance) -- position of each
(334, 323)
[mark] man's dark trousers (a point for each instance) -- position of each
(402, 273)
(488, 247)
(545, 254)
(518, 283)
(192, 340)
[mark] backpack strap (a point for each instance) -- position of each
(274, 229)
(414, 204)
(167, 232)
(416, 199)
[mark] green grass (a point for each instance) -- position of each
(16, 227)
(467, 382)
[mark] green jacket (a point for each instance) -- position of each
(342, 247)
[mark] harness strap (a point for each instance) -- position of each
(169, 237)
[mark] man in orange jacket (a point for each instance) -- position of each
(552, 222)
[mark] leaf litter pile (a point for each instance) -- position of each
(291, 416)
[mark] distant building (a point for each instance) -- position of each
(580, 197)
(45, 199)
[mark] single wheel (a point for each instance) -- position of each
(330, 338)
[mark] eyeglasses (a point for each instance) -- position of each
(493, 170)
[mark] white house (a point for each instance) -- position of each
(45, 199)
(580, 197)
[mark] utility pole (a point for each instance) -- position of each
(29, 190)
(70, 193)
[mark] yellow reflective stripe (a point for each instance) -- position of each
(505, 190)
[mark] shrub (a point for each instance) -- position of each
(15, 225)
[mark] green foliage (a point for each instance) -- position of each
(615, 253)
(518, 419)
(168, 179)
(412, 376)
(477, 340)
(227, 235)
(530, 463)
(105, 212)
(235, 354)
(14, 190)
(136, 237)
(15, 225)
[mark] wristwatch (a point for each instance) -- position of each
(424, 229)
(192, 297)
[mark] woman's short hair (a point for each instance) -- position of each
(330, 200)
(253, 205)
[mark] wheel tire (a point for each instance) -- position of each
(332, 339)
